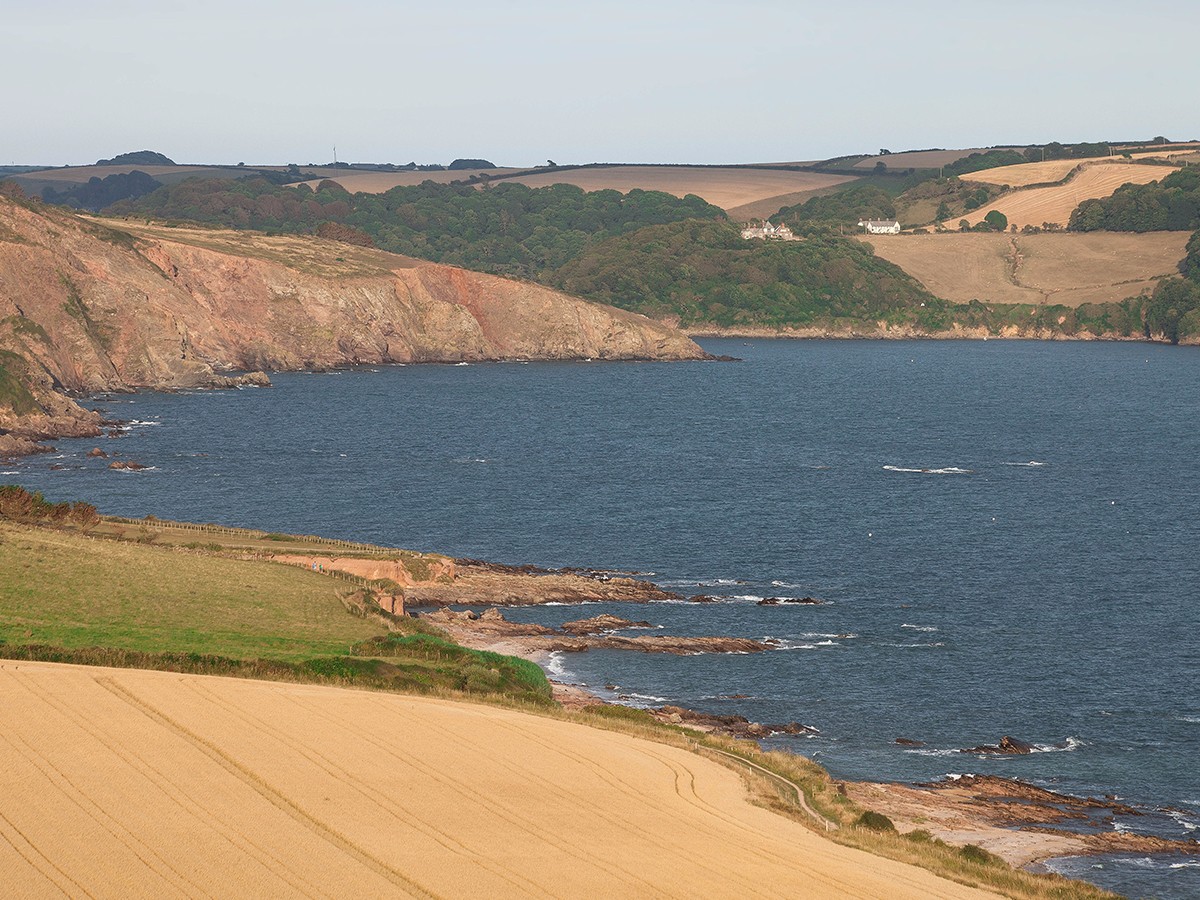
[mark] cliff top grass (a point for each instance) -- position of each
(304, 253)
(75, 591)
(74, 588)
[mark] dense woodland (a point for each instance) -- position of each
(1172, 204)
(705, 272)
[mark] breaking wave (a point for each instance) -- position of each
(947, 470)
(920, 627)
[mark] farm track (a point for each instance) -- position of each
(122, 783)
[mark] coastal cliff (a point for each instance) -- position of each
(103, 305)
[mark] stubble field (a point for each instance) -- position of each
(1070, 269)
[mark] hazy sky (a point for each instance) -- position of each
(634, 80)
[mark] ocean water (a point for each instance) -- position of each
(1007, 534)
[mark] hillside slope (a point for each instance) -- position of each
(90, 305)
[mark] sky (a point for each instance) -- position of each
(520, 83)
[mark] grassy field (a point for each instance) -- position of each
(1055, 204)
(305, 253)
(75, 591)
(1070, 269)
(150, 598)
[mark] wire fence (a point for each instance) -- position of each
(251, 534)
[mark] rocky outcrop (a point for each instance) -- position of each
(598, 624)
(404, 571)
(103, 305)
(735, 726)
(479, 584)
(491, 630)
(1008, 745)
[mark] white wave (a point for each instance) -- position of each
(1183, 820)
(819, 634)
(785, 584)
(471, 459)
(138, 423)
(1194, 720)
(555, 665)
(462, 364)
(138, 471)
(1071, 743)
(753, 598)
(920, 627)
(10, 473)
(646, 698)
(910, 646)
(1184, 865)
(779, 644)
(947, 470)
(717, 582)
(1032, 464)
(925, 751)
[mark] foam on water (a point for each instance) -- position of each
(920, 627)
(1032, 464)
(947, 470)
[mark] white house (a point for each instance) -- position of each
(880, 226)
(767, 230)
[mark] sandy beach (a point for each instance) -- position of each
(138, 783)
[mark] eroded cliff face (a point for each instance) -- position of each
(91, 305)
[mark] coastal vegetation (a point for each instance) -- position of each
(1172, 204)
(704, 272)
(509, 229)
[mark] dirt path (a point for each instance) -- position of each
(121, 783)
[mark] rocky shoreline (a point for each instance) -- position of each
(1024, 824)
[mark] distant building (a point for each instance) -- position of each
(767, 230)
(880, 226)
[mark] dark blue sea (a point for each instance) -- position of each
(1007, 534)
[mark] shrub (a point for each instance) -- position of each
(874, 821)
(976, 854)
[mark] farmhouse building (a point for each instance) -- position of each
(880, 226)
(767, 230)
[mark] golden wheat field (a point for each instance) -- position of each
(126, 783)
(1037, 206)
(1026, 173)
(727, 188)
(1070, 269)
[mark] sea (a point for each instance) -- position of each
(1005, 535)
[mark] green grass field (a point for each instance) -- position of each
(66, 596)
(75, 591)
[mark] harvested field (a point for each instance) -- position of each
(1070, 269)
(379, 182)
(126, 783)
(1055, 204)
(727, 188)
(1028, 173)
(919, 159)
